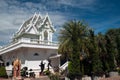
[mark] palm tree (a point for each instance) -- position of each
(71, 38)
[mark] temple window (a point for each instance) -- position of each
(36, 54)
(46, 25)
(7, 63)
(45, 35)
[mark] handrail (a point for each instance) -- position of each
(64, 65)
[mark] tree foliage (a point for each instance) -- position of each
(94, 55)
(3, 72)
(71, 42)
(89, 53)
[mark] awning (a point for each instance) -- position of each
(55, 56)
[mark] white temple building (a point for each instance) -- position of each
(32, 43)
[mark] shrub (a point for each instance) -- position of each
(47, 72)
(54, 77)
(73, 72)
(3, 72)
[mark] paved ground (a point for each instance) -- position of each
(46, 78)
(112, 78)
(40, 78)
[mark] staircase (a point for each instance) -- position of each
(64, 66)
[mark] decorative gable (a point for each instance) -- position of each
(32, 30)
(37, 25)
(47, 24)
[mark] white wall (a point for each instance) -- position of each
(28, 57)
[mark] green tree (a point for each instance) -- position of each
(114, 35)
(71, 40)
(101, 41)
(110, 53)
(118, 49)
(94, 55)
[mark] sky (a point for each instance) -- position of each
(100, 15)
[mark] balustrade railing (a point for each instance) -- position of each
(31, 41)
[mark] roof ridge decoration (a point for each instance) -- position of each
(45, 18)
(36, 21)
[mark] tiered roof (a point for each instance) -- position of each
(36, 22)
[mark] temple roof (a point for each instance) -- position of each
(35, 22)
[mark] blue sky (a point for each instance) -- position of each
(100, 15)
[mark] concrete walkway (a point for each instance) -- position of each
(112, 78)
(40, 78)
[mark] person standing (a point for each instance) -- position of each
(49, 64)
(42, 66)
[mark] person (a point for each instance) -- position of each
(49, 64)
(42, 67)
(16, 68)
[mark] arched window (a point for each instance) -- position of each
(45, 35)
(7, 63)
(36, 54)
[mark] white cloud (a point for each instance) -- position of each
(12, 14)
(57, 19)
(84, 4)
